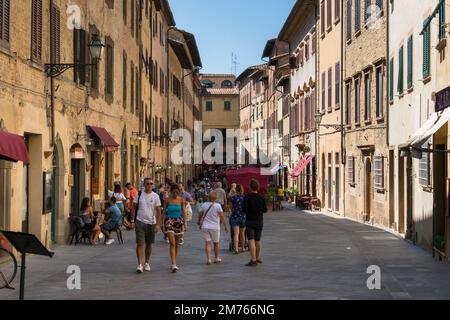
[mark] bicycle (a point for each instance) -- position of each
(8, 268)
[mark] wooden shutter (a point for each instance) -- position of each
(337, 9)
(132, 88)
(330, 89)
(442, 24)
(4, 22)
(410, 62)
(125, 72)
(337, 82)
(426, 50)
(379, 173)
(367, 9)
(322, 17)
(323, 91)
(312, 108)
(391, 79)
(349, 20)
(36, 30)
(351, 170)
(400, 71)
(137, 108)
(357, 16)
(56, 33)
(329, 14)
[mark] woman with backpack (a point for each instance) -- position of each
(87, 217)
(209, 220)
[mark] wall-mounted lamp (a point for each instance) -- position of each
(88, 140)
(139, 136)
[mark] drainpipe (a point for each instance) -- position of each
(52, 80)
(151, 91)
(343, 150)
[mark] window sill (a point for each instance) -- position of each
(337, 20)
(391, 102)
(358, 124)
(357, 34)
(36, 65)
(409, 90)
(367, 122)
(6, 51)
(349, 41)
(426, 80)
(428, 189)
(401, 95)
(329, 29)
(352, 185)
(380, 190)
(322, 35)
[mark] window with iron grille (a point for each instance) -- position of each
(351, 170)
(379, 173)
(425, 167)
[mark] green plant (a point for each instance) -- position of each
(439, 242)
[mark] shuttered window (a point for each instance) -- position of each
(329, 14)
(94, 33)
(109, 67)
(425, 168)
(330, 89)
(367, 97)
(4, 22)
(367, 11)
(337, 9)
(323, 91)
(426, 50)
(442, 24)
(132, 87)
(410, 62)
(322, 17)
(391, 80)
(400, 80)
(349, 20)
(124, 10)
(36, 30)
(132, 10)
(357, 100)
(81, 56)
(56, 34)
(379, 173)
(337, 82)
(351, 170)
(348, 99)
(137, 105)
(380, 92)
(357, 16)
(379, 4)
(312, 108)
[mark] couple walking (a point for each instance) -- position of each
(146, 217)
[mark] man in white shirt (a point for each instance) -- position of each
(147, 211)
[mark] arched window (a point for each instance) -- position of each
(227, 84)
(207, 84)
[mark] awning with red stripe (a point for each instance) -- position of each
(301, 166)
(109, 144)
(13, 148)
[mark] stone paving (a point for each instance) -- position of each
(306, 256)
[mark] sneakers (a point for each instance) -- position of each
(174, 268)
(140, 269)
(181, 242)
(109, 241)
(147, 267)
(252, 264)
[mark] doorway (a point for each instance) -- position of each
(368, 190)
(337, 197)
(401, 195)
(57, 229)
(440, 186)
(5, 194)
(124, 159)
(77, 190)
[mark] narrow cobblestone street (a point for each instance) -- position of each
(306, 256)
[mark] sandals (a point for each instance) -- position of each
(209, 262)
(218, 260)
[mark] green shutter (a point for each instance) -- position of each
(426, 50)
(391, 79)
(400, 71)
(410, 62)
(441, 20)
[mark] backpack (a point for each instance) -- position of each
(137, 206)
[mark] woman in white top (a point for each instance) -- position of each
(210, 217)
(120, 197)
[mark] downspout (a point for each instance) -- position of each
(343, 150)
(52, 80)
(151, 90)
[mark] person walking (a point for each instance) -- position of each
(232, 190)
(209, 222)
(254, 207)
(189, 201)
(237, 219)
(145, 218)
(221, 196)
(174, 222)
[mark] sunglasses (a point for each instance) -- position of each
(149, 183)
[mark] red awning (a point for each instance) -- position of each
(12, 148)
(301, 166)
(109, 144)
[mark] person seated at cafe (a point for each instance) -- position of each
(113, 217)
(120, 197)
(87, 215)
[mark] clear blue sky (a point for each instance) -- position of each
(225, 26)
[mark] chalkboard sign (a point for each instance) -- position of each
(48, 205)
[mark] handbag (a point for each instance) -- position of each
(204, 216)
(188, 211)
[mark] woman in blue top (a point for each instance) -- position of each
(174, 221)
(237, 219)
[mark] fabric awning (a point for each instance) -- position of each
(12, 148)
(431, 126)
(109, 144)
